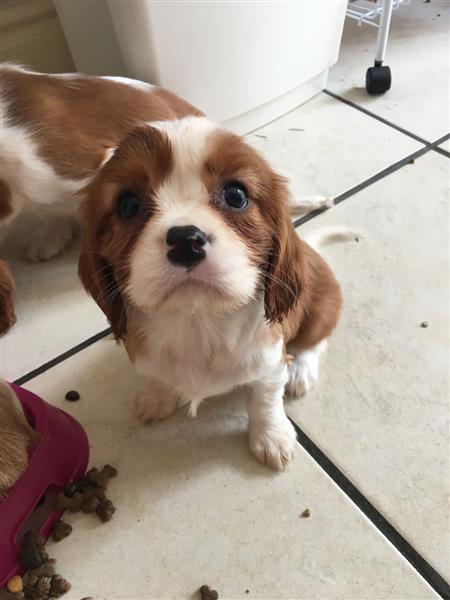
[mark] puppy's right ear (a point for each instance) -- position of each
(100, 281)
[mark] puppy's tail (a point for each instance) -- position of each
(333, 234)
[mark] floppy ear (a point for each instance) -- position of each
(100, 281)
(286, 268)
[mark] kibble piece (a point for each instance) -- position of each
(58, 586)
(73, 504)
(32, 553)
(207, 593)
(72, 396)
(306, 513)
(15, 584)
(105, 510)
(43, 585)
(109, 471)
(61, 529)
(90, 504)
(424, 324)
(70, 489)
(47, 569)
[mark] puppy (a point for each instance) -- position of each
(189, 249)
(16, 437)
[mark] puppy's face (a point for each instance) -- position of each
(186, 211)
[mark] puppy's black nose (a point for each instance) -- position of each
(186, 245)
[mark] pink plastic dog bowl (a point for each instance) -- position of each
(60, 456)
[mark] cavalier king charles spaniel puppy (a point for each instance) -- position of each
(189, 249)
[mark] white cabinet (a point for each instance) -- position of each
(242, 63)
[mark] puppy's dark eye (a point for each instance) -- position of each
(128, 205)
(234, 195)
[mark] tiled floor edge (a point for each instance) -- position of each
(369, 181)
(425, 570)
(377, 117)
(62, 357)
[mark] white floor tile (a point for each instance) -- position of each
(325, 147)
(418, 54)
(381, 407)
(53, 310)
(194, 507)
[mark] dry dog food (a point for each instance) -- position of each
(207, 593)
(88, 494)
(40, 581)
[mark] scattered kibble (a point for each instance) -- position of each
(72, 396)
(61, 530)
(206, 593)
(306, 513)
(59, 586)
(15, 584)
(40, 581)
(424, 324)
(105, 510)
(32, 553)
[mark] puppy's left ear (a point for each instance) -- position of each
(286, 268)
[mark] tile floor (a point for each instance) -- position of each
(372, 464)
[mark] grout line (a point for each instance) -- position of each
(361, 186)
(431, 576)
(377, 117)
(442, 151)
(62, 357)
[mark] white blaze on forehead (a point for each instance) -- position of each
(184, 188)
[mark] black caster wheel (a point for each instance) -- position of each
(378, 80)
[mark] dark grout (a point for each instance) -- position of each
(62, 357)
(377, 117)
(431, 576)
(366, 183)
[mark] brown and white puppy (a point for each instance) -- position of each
(189, 249)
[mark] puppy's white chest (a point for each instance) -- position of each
(206, 355)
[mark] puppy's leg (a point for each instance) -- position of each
(304, 370)
(271, 435)
(50, 238)
(154, 401)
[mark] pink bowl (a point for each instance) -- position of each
(61, 456)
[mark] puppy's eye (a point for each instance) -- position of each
(128, 205)
(234, 195)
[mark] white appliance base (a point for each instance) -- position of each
(256, 118)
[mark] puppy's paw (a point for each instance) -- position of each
(50, 240)
(273, 443)
(304, 370)
(151, 407)
(302, 377)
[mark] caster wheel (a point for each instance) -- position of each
(378, 80)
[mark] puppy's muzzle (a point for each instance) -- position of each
(186, 245)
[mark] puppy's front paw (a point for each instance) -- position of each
(151, 407)
(50, 240)
(273, 443)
